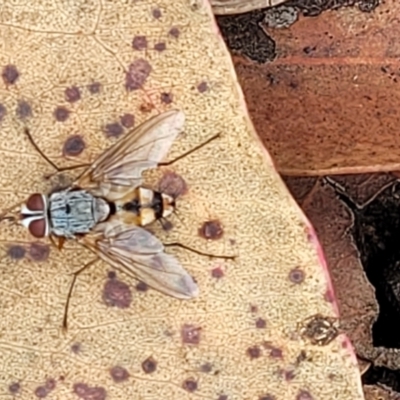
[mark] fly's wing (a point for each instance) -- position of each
(142, 148)
(139, 253)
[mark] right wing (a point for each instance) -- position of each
(121, 166)
(140, 254)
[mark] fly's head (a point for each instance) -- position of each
(34, 215)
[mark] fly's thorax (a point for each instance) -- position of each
(34, 215)
(147, 204)
(75, 212)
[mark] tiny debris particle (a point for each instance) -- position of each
(156, 12)
(127, 120)
(260, 323)
(137, 74)
(72, 94)
(253, 352)
(86, 392)
(211, 230)
(173, 184)
(142, 287)
(190, 385)
(149, 365)
(73, 146)
(174, 32)
(10, 74)
(111, 274)
(190, 334)
(319, 330)
(24, 110)
(202, 87)
(161, 46)
(296, 275)
(117, 294)
(114, 129)
(61, 114)
(41, 392)
(14, 388)
(3, 112)
(119, 374)
(304, 395)
(166, 98)
(94, 88)
(16, 252)
(39, 251)
(217, 273)
(139, 42)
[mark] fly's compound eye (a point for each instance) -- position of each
(38, 227)
(36, 202)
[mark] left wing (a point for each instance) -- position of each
(139, 253)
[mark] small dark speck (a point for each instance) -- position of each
(72, 94)
(10, 74)
(190, 334)
(137, 74)
(111, 275)
(86, 392)
(114, 129)
(142, 287)
(293, 85)
(166, 98)
(190, 385)
(14, 388)
(174, 32)
(94, 88)
(309, 49)
(127, 120)
(202, 87)
(41, 392)
(61, 114)
(76, 348)
(289, 375)
(156, 12)
(161, 46)
(217, 272)
(254, 352)
(253, 309)
(304, 395)
(139, 42)
(222, 397)
(73, 146)
(207, 367)
(39, 251)
(260, 323)
(119, 374)
(167, 225)
(24, 110)
(274, 351)
(117, 294)
(3, 112)
(211, 230)
(16, 252)
(149, 365)
(296, 275)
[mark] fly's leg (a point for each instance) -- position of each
(71, 288)
(200, 253)
(47, 159)
(166, 163)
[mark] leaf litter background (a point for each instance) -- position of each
(73, 77)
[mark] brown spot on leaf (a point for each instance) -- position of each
(174, 32)
(261, 323)
(24, 110)
(94, 88)
(117, 294)
(202, 87)
(267, 397)
(254, 352)
(161, 46)
(274, 352)
(16, 252)
(14, 388)
(50, 384)
(137, 74)
(139, 42)
(304, 395)
(72, 94)
(172, 184)
(41, 392)
(142, 287)
(3, 112)
(127, 120)
(73, 146)
(253, 309)
(61, 114)
(39, 251)
(149, 365)
(217, 272)
(119, 374)
(190, 385)
(206, 367)
(190, 334)
(114, 129)
(156, 12)
(289, 375)
(222, 397)
(86, 392)
(211, 230)
(296, 275)
(76, 348)
(166, 98)
(111, 275)
(10, 74)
